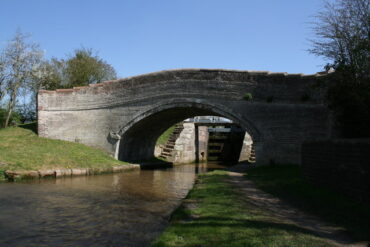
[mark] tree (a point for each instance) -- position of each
(343, 37)
(19, 62)
(85, 68)
(49, 76)
(343, 34)
(14, 118)
(24, 72)
(81, 69)
(2, 80)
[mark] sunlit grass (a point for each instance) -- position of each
(22, 149)
(217, 216)
(162, 140)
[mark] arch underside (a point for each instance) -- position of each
(138, 137)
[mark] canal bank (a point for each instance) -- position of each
(227, 209)
(25, 155)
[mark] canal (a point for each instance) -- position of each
(126, 209)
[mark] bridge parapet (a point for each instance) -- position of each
(229, 84)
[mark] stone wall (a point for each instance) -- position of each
(245, 153)
(185, 145)
(125, 117)
(184, 150)
(343, 165)
(202, 143)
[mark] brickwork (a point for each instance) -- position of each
(343, 165)
(125, 117)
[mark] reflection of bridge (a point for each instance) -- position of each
(125, 117)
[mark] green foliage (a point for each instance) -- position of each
(80, 69)
(85, 68)
(51, 75)
(162, 140)
(343, 37)
(23, 72)
(19, 61)
(287, 182)
(15, 118)
(248, 96)
(27, 112)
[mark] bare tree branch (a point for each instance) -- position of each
(18, 60)
(342, 33)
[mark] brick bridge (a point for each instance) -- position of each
(125, 117)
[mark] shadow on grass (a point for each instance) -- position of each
(228, 231)
(216, 222)
(213, 214)
(288, 183)
(29, 126)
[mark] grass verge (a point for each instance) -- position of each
(22, 149)
(287, 182)
(214, 214)
(162, 140)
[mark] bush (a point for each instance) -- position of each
(15, 118)
(248, 96)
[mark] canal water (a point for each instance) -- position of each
(125, 209)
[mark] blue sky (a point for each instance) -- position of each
(141, 36)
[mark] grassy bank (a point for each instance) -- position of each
(162, 140)
(288, 183)
(214, 214)
(22, 149)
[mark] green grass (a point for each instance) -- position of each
(221, 217)
(22, 149)
(162, 140)
(287, 182)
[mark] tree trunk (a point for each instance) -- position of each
(10, 107)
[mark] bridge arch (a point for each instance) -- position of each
(285, 110)
(138, 137)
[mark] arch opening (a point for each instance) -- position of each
(139, 137)
(205, 139)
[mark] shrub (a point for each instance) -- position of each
(248, 96)
(15, 118)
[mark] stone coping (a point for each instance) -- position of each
(56, 173)
(172, 74)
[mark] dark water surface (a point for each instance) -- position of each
(126, 209)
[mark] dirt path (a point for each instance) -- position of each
(288, 214)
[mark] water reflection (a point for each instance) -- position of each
(128, 209)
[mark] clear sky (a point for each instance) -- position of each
(141, 36)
